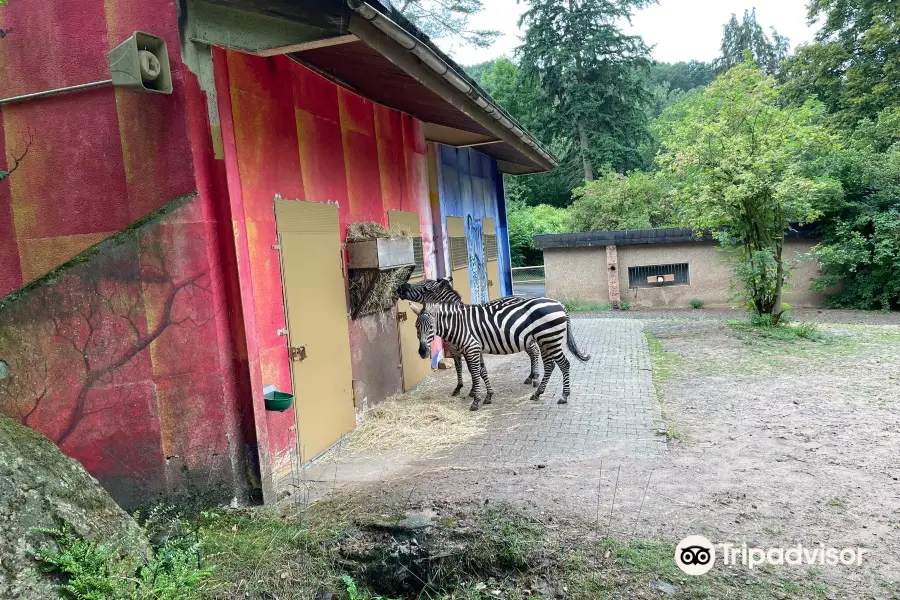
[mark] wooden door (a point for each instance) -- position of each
(459, 257)
(414, 367)
(318, 335)
(491, 258)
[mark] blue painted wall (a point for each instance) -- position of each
(471, 186)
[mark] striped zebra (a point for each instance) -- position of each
(440, 291)
(501, 329)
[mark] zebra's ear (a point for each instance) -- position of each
(415, 308)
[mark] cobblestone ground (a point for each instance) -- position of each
(612, 408)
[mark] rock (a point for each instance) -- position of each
(663, 586)
(43, 488)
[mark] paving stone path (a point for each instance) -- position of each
(613, 408)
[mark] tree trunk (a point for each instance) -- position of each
(583, 139)
(777, 310)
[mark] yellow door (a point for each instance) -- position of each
(415, 368)
(459, 257)
(316, 311)
(491, 258)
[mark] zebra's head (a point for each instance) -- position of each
(430, 290)
(424, 329)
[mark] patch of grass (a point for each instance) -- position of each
(578, 306)
(696, 303)
(783, 332)
(505, 538)
(836, 503)
(624, 305)
(662, 364)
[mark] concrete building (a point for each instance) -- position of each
(657, 268)
(167, 256)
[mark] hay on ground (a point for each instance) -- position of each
(418, 423)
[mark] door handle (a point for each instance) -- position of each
(297, 353)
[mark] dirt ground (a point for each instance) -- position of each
(768, 442)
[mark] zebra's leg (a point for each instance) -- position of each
(487, 383)
(474, 360)
(549, 363)
(535, 356)
(564, 367)
(457, 364)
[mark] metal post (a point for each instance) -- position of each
(71, 88)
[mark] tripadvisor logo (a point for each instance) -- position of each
(696, 555)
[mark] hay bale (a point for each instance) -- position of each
(384, 288)
(369, 230)
(384, 283)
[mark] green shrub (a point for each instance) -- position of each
(697, 304)
(624, 305)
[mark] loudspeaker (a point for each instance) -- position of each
(141, 63)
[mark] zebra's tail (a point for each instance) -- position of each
(570, 342)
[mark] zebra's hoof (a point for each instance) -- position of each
(474, 406)
(534, 382)
(472, 394)
(562, 401)
(487, 400)
(535, 396)
(527, 381)
(456, 391)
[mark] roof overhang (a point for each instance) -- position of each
(376, 52)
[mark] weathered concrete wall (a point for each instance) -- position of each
(576, 274)
(580, 274)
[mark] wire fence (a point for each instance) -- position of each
(528, 281)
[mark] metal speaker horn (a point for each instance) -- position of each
(141, 63)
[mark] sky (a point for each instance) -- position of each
(679, 30)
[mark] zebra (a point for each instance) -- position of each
(441, 291)
(501, 329)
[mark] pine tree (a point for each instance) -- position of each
(590, 74)
(738, 38)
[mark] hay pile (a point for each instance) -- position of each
(418, 423)
(369, 230)
(383, 284)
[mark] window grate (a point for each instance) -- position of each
(459, 253)
(418, 257)
(659, 275)
(490, 247)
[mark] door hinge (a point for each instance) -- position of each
(297, 353)
(276, 246)
(353, 392)
(490, 283)
(401, 316)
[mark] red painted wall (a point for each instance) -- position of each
(146, 359)
(129, 360)
(288, 131)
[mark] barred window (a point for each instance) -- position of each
(459, 253)
(418, 257)
(659, 275)
(490, 247)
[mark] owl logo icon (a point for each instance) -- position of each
(695, 555)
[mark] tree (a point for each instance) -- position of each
(448, 19)
(747, 170)
(589, 74)
(747, 36)
(854, 66)
(527, 221)
(637, 201)
(859, 253)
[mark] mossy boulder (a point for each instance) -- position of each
(43, 488)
